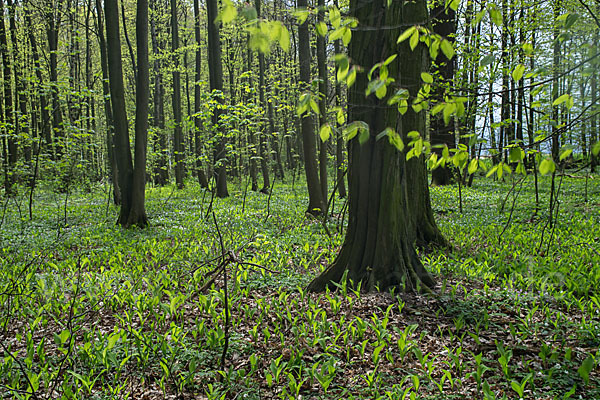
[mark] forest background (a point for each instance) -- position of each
(223, 105)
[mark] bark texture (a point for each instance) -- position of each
(378, 248)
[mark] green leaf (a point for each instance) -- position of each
(337, 33)
(325, 132)
(401, 94)
(518, 72)
(354, 128)
(596, 149)
(381, 92)
(570, 20)
(560, 99)
(351, 78)
(389, 60)
(453, 4)
(447, 49)
(426, 77)
(414, 40)
(347, 37)
(284, 39)
(334, 17)
(586, 368)
(314, 106)
(64, 336)
(495, 15)
(301, 15)
(228, 12)
(492, 171)
(565, 153)
(363, 137)
(406, 34)
(517, 388)
(322, 28)
(403, 107)
(449, 109)
(374, 86)
(515, 154)
(547, 166)
(473, 166)
(340, 116)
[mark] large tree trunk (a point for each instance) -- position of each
(215, 68)
(442, 134)
(378, 250)
(132, 202)
(316, 202)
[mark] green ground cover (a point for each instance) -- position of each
(185, 310)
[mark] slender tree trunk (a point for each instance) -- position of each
(505, 106)
(252, 153)
(137, 214)
(198, 99)
(215, 68)
(377, 250)
(441, 133)
(45, 116)
(521, 88)
(322, 69)
(117, 96)
(110, 143)
(126, 34)
(531, 119)
(161, 170)
(316, 202)
(263, 150)
(21, 119)
(339, 145)
(555, 83)
(9, 115)
(595, 108)
(53, 16)
(177, 129)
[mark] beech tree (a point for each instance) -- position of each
(215, 68)
(316, 202)
(132, 175)
(378, 247)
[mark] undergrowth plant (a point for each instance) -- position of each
(198, 306)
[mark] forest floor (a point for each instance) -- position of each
(183, 310)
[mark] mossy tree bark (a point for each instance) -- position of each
(386, 192)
